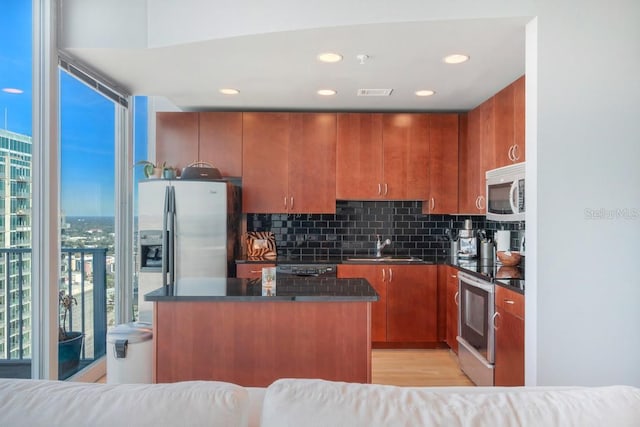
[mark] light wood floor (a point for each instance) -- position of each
(413, 368)
(438, 367)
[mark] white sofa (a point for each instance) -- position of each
(301, 402)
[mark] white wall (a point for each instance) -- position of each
(588, 274)
(105, 24)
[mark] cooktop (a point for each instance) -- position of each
(492, 271)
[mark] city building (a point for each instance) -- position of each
(15, 244)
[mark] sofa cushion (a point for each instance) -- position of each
(56, 403)
(293, 402)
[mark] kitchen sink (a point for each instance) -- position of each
(396, 258)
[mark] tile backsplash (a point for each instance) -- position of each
(352, 230)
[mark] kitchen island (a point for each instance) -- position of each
(226, 330)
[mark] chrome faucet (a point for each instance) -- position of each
(380, 245)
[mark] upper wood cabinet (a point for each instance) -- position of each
(289, 162)
(221, 141)
(518, 152)
(442, 164)
(509, 125)
(177, 138)
(359, 156)
(212, 137)
(471, 182)
(382, 156)
(405, 159)
(491, 136)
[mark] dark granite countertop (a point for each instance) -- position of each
(509, 277)
(319, 289)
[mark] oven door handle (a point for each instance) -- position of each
(475, 282)
(493, 320)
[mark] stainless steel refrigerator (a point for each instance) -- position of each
(188, 230)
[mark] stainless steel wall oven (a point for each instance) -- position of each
(475, 329)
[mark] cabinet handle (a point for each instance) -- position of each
(285, 202)
(456, 298)
(379, 189)
(432, 204)
(493, 320)
(508, 301)
(384, 277)
(481, 202)
(453, 276)
(478, 202)
(516, 157)
(386, 189)
(291, 207)
(510, 153)
(255, 271)
(390, 275)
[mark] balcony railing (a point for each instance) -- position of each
(84, 275)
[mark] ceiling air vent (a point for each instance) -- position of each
(374, 92)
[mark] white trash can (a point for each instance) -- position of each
(130, 353)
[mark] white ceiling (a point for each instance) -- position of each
(279, 70)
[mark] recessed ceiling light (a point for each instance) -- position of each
(229, 91)
(456, 58)
(425, 92)
(329, 57)
(12, 90)
(327, 92)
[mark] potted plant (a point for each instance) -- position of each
(169, 172)
(151, 170)
(69, 342)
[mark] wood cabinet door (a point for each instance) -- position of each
(265, 173)
(509, 363)
(443, 164)
(221, 141)
(312, 163)
(519, 119)
(359, 156)
(487, 136)
(509, 336)
(373, 274)
(405, 160)
(176, 138)
(471, 183)
(504, 126)
(452, 308)
(412, 303)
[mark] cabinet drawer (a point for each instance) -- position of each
(511, 302)
(250, 270)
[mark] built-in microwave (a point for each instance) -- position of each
(505, 193)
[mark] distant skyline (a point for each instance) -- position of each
(87, 148)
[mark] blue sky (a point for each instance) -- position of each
(86, 120)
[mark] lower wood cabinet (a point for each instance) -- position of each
(408, 307)
(452, 309)
(509, 336)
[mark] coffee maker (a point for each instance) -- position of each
(468, 242)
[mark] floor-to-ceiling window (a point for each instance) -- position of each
(94, 165)
(87, 219)
(15, 189)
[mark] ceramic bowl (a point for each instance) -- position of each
(509, 258)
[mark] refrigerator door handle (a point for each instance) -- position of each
(165, 237)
